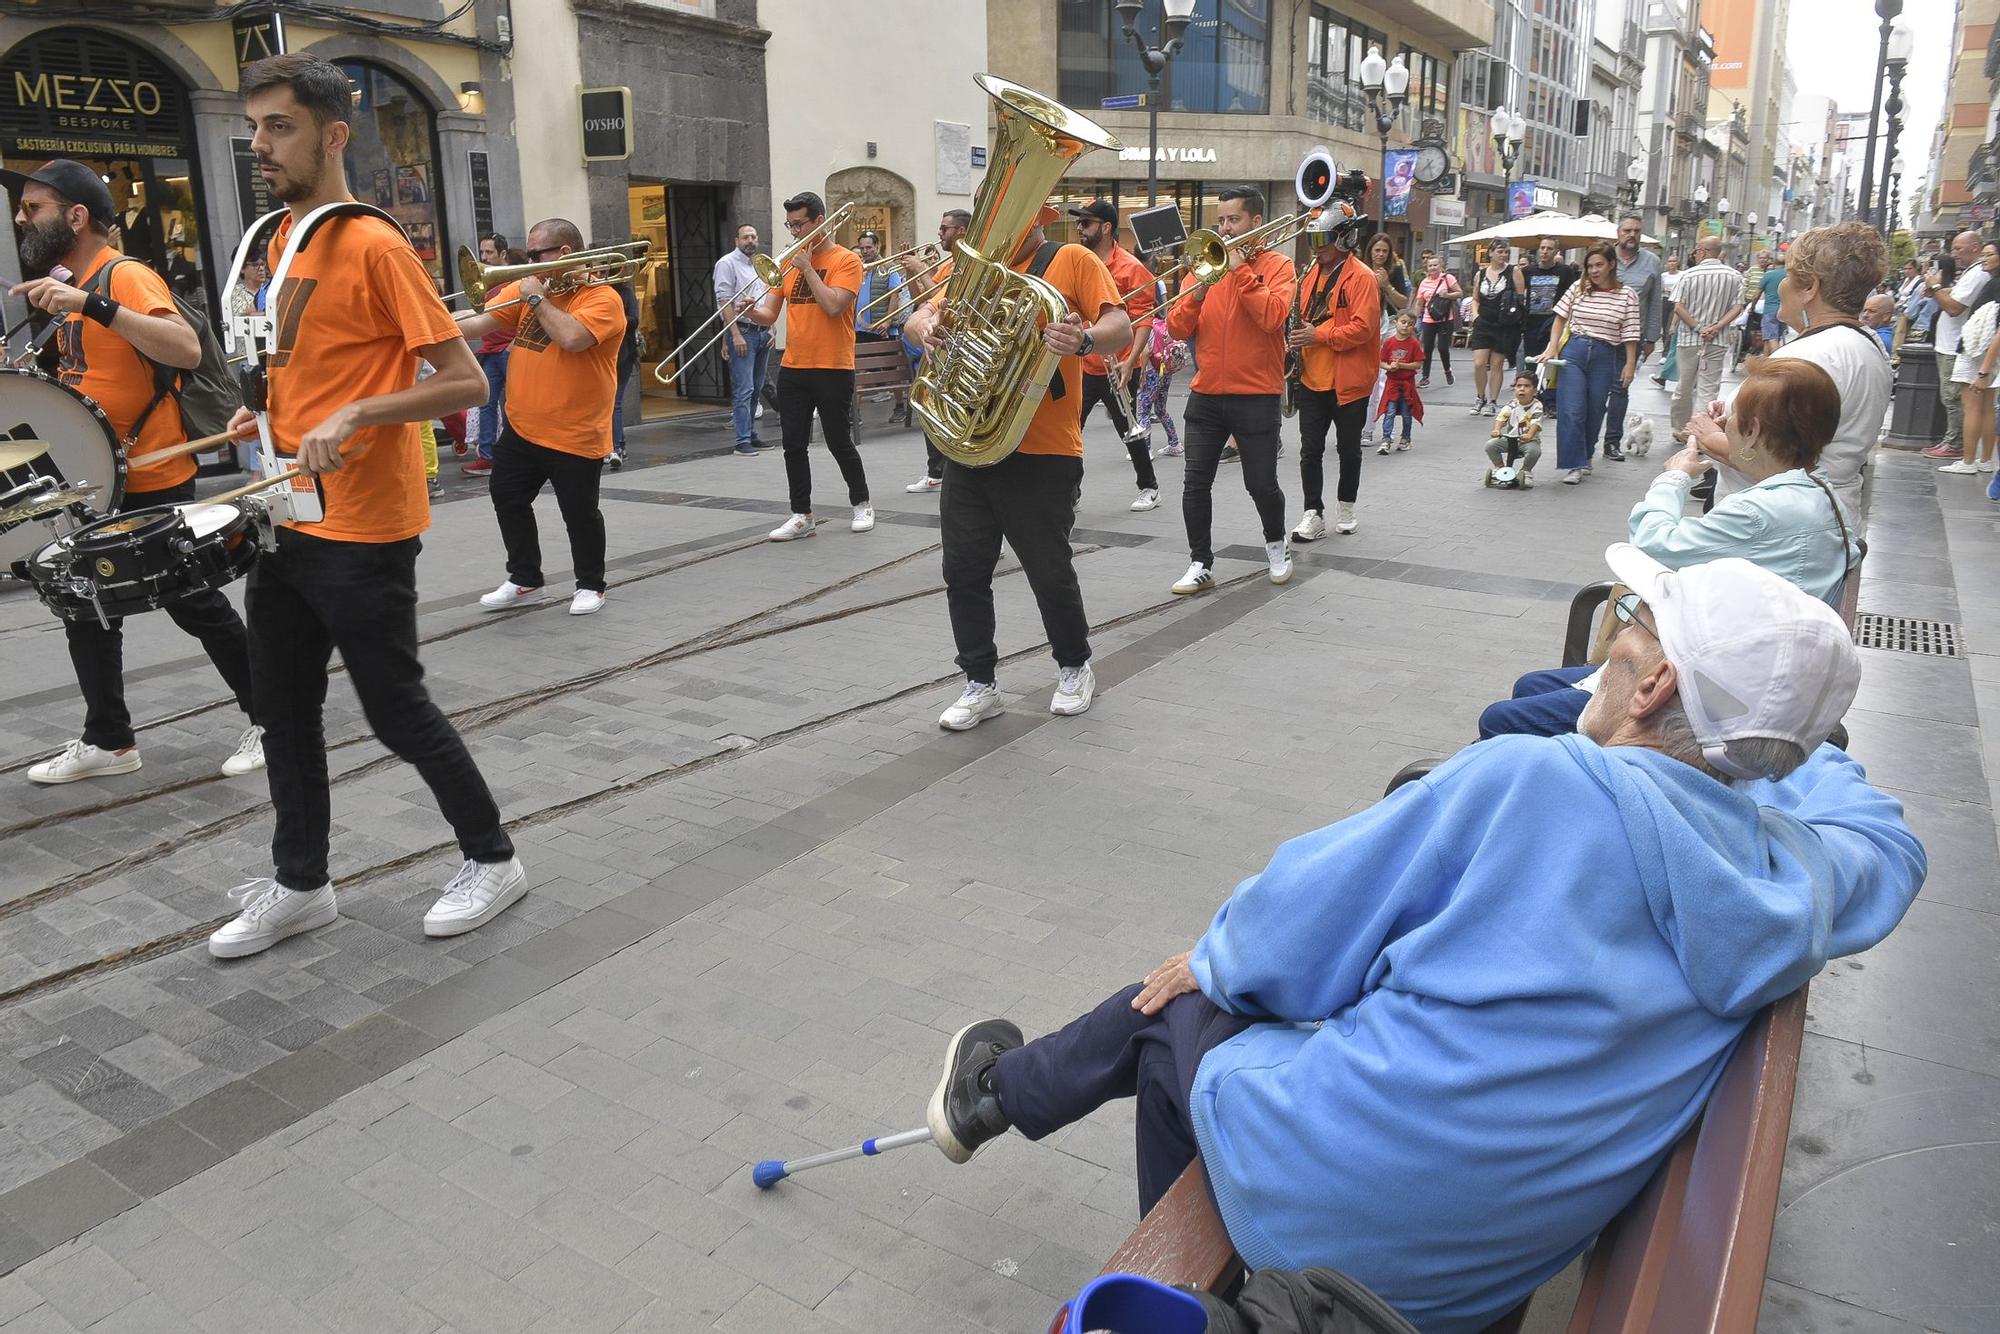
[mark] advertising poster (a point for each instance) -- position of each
(1399, 169)
(1520, 199)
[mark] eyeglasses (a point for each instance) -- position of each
(1627, 610)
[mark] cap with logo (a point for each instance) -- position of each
(73, 181)
(1754, 655)
(1098, 210)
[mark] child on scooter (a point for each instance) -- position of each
(1517, 428)
(1401, 356)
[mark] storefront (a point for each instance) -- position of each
(392, 159)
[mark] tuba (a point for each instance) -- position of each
(977, 394)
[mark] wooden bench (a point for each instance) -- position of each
(878, 364)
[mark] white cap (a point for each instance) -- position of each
(1755, 655)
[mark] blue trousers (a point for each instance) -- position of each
(495, 366)
(1544, 704)
(1116, 1052)
(746, 377)
(1399, 408)
(1589, 374)
(625, 369)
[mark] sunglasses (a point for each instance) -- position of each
(1626, 609)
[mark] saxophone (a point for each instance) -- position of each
(977, 393)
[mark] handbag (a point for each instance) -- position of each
(1441, 307)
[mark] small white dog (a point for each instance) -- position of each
(1638, 435)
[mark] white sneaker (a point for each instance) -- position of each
(480, 892)
(799, 525)
(270, 913)
(509, 594)
(1198, 579)
(979, 699)
(1960, 467)
(1074, 688)
(759, 414)
(585, 601)
(1311, 528)
(1279, 553)
(1479, 408)
(1168, 452)
(1368, 437)
(1572, 476)
(249, 755)
(1344, 520)
(1385, 446)
(1149, 499)
(80, 760)
(864, 519)
(1403, 445)
(1984, 465)
(924, 484)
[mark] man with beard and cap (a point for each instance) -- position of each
(122, 339)
(352, 314)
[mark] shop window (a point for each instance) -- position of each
(1335, 49)
(1225, 65)
(392, 158)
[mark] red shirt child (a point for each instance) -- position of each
(1401, 356)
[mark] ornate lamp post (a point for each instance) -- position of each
(1752, 220)
(1700, 207)
(1635, 176)
(1388, 88)
(1896, 169)
(1901, 41)
(1174, 18)
(1886, 10)
(1508, 131)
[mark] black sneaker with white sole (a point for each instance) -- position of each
(965, 1111)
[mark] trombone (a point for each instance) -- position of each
(907, 291)
(1206, 253)
(579, 268)
(896, 259)
(770, 273)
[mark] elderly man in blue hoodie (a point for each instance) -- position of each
(1438, 1052)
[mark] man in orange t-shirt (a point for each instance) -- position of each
(1028, 497)
(121, 337)
(350, 318)
(562, 387)
(1338, 341)
(1238, 325)
(816, 296)
(1103, 382)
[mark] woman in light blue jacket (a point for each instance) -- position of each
(1787, 519)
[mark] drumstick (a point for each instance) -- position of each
(251, 488)
(175, 451)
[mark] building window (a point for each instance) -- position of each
(392, 157)
(1224, 67)
(1430, 90)
(1335, 47)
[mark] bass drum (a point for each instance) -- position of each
(82, 450)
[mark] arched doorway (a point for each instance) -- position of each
(392, 157)
(115, 106)
(884, 203)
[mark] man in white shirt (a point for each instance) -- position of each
(747, 345)
(1707, 300)
(1953, 304)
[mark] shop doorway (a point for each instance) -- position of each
(676, 292)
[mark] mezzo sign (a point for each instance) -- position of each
(607, 123)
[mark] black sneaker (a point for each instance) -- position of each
(964, 1113)
(1229, 454)
(1614, 454)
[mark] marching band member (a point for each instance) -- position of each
(1097, 230)
(818, 371)
(923, 280)
(1029, 497)
(1238, 324)
(353, 315)
(562, 389)
(1339, 339)
(121, 340)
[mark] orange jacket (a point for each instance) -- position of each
(1345, 357)
(1239, 327)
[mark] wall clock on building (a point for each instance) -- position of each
(1432, 166)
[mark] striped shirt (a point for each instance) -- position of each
(1592, 312)
(1707, 292)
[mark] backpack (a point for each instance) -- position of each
(207, 395)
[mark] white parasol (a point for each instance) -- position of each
(1568, 231)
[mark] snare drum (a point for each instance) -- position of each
(147, 558)
(83, 450)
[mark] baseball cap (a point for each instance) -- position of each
(1754, 654)
(73, 181)
(1097, 209)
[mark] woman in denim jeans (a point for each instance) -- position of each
(1601, 318)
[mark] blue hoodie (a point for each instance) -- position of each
(1504, 992)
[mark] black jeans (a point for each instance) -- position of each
(1117, 1052)
(1437, 338)
(97, 652)
(831, 394)
(521, 468)
(1120, 407)
(933, 461)
(1319, 410)
(308, 598)
(1029, 499)
(1211, 420)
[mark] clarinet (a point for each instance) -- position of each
(1295, 361)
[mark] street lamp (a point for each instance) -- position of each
(1887, 10)
(1508, 131)
(1388, 88)
(1635, 176)
(1752, 221)
(1700, 206)
(1175, 16)
(1901, 41)
(1896, 169)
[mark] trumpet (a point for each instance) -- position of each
(770, 273)
(908, 292)
(1206, 253)
(579, 268)
(928, 249)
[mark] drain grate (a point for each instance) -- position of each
(1906, 634)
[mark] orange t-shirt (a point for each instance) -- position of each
(815, 340)
(1130, 273)
(101, 364)
(563, 400)
(1239, 327)
(355, 310)
(1347, 350)
(1057, 426)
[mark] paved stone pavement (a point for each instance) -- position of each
(766, 888)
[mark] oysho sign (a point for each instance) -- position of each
(1137, 153)
(607, 123)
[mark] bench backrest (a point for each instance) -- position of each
(881, 364)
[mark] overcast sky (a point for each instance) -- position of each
(1832, 50)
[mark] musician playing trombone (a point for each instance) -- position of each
(816, 296)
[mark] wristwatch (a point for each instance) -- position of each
(1089, 344)
(534, 300)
